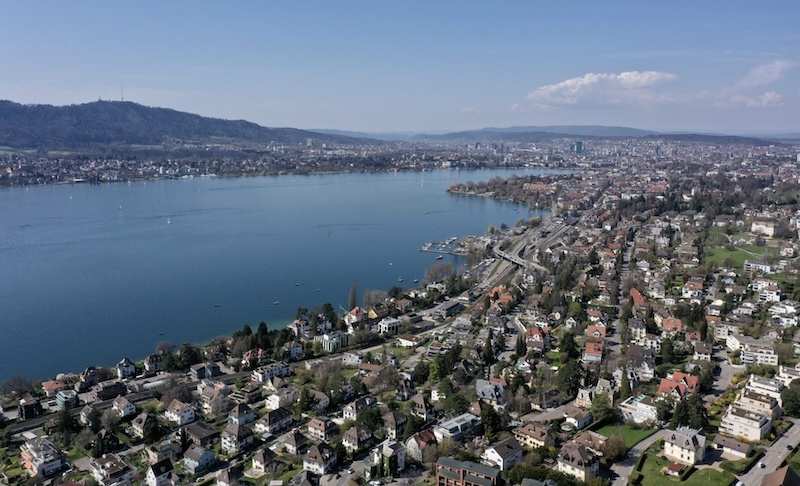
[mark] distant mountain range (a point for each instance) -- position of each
(103, 123)
(120, 125)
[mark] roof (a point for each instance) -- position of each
(507, 448)
(782, 477)
(472, 466)
(732, 444)
(686, 438)
(162, 467)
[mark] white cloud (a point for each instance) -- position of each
(649, 88)
(766, 100)
(602, 88)
(765, 74)
(470, 111)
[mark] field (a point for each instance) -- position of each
(651, 470)
(632, 436)
(738, 255)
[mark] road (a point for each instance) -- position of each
(622, 469)
(774, 456)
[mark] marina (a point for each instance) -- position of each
(450, 246)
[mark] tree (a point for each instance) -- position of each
(439, 271)
(189, 355)
(601, 410)
(697, 413)
(664, 408)
(491, 422)
(488, 351)
(667, 351)
(413, 425)
(351, 297)
(791, 401)
(521, 348)
(164, 348)
(615, 448)
(421, 372)
(18, 384)
(625, 387)
(568, 378)
(455, 404)
(568, 346)
(151, 431)
(67, 422)
(369, 417)
(680, 416)
(109, 419)
(499, 343)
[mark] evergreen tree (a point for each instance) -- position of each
(790, 399)
(680, 416)
(601, 410)
(568, 346)
(667, 351)
(488, 351)
(697, 413)
(521, 347)
(491, 422)
(625, 387)
(568, 378)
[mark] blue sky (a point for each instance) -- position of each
(728, 66)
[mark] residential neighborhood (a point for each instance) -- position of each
(646, 332)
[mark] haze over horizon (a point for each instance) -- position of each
(418, 66)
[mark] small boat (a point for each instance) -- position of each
(296, 284)
(168, 221)
(416, 280)
(120, 207)
(318, 290)
(217, 305)
(161, 333)
(400, 279)
(276, 302)
(439, 257)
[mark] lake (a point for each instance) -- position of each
(93, 273)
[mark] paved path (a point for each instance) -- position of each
(622, 469)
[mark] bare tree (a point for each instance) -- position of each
(18, 384)
(373, 297)
(109, 419)
(164, 348)
(351, 298)
(439, 271)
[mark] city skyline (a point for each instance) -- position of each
(415, 66)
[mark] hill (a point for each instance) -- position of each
(535, 133)
(105, 123)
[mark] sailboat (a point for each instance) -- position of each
(168, 221)
(400, 279)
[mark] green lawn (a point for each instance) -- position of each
(794, 462)
(651, 470)
(739, 254)
(632, 436)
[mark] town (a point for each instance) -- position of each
(645, 333)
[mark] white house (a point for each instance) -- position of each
(685, 445)
(504, 454)
(123, 406)
(179, 413)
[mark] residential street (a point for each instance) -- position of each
(774, 456)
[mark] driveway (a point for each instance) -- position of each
(622, 469)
